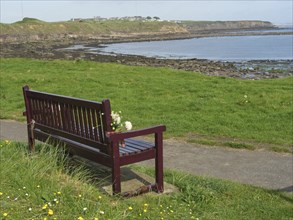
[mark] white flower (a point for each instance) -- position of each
(128, 125)
(245, 96)
(118, 120)
(116, 117)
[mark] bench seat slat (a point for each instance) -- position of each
(140, 142)
(123, 150)
(134, 147)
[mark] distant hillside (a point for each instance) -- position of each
(195, 26)
(30, 29)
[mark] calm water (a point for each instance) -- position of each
(238, 48)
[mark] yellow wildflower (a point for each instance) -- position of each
(50, 212)
(130, 208)
(5, 214)
(59, 193)
(1, 193)
(96, 218)
(80, 218)
(145, 210)
(45, 206)
(100, 197)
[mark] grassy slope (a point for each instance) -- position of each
(42, 187)
(186, 102)
(33, 26)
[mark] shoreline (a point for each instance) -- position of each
(50, 50)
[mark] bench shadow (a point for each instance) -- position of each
(101, 177)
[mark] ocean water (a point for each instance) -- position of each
(228, 48)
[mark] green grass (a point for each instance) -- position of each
(42, 186)
(186, 102)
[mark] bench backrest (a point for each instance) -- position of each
(77, 117)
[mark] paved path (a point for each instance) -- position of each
(260, 168)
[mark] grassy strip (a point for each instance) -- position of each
(187, 102)
(224, 144)
(42, 186)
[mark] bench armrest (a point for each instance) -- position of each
(115, 137)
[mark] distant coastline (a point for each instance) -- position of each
(34, 30)
(42, 40)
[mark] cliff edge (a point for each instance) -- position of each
(33, 30)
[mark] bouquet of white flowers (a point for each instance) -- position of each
(117, 124)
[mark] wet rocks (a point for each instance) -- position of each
(242, 70)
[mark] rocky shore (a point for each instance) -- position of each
(244, 70)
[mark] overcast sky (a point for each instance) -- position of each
(277, 12)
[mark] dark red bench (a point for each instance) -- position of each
(84, 128)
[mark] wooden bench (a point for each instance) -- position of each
(84, 128)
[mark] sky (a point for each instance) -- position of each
(278, 12)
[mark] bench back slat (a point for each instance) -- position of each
(83, 118)
(69, 136)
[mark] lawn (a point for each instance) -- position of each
(43, 186)
(188, 103)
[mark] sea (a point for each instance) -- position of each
(235, 48)
(225, 48)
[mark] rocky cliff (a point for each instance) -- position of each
(199, 26)
(33, 30)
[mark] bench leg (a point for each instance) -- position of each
(116, 179)
(31, 139)
(159, 163)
